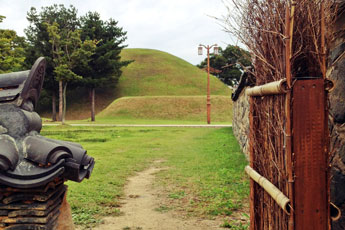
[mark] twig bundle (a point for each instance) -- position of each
(260, 25)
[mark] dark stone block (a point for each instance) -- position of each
(337, 51)
(338, 187)
(341, 152)
(337, 99)
(338, 197)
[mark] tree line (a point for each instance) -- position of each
(227, 66)
(80, 51)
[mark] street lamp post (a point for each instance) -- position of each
(208, 76)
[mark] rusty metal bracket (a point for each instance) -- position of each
(335, 212)
(329, 85)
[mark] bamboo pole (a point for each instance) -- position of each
(271, 189)
(292, 21)
(287, 48)
(291, 224)
(272, 88)
(251, 162)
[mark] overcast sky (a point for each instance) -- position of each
(173, 26)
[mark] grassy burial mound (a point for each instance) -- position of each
(156, 73)
(153, 73)
(168, 108)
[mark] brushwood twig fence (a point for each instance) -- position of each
(289, 138)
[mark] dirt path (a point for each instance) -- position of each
(139, 209)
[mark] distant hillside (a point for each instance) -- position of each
(153, 73)
(184, 108)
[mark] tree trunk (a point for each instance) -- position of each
(60, 101)
(93, 104)
(64, 103)
(54, 107)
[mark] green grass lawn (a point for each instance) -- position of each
(130, 121)
(205, 168)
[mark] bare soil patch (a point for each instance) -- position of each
(142, 211)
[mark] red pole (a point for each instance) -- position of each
(208, 87)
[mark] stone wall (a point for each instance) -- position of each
(336, 73)
(240, 122)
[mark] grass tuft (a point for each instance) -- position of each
(235, 226)
(163, 209)
(177, 195)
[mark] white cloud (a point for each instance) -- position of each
(175, 26)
